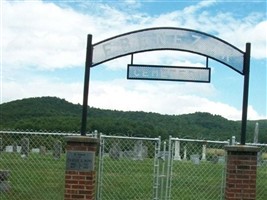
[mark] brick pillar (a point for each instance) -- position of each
(241, 172)
(80, 174)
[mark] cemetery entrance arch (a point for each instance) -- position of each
(168, 38)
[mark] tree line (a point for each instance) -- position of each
(55, 114)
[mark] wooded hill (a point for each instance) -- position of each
(54, 114)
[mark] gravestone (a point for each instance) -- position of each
(35, 150)
(4, 181)
(256, 133)
(25, 147)
(195, 159)
(15, 147)
(164, 155)
(9, 149)
(221, 159)
(140, 150)
(114, 151)
(177, 155)
(57, 149)
(215, 159)
(1, 145)
(185, 152)
(204, 152)
(42, 150)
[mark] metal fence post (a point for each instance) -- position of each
(162, 176)
(156, 169)
(168, 175)
(100, 167)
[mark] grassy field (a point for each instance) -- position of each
(41, 177)
(37, 177)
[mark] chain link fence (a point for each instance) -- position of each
(261, 171)
(32, 166)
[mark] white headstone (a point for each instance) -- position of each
(256, 133)
(177, 155)
(35, 150)
(204, 150)
(185, 151)
(195, 159)
(138, 149)
(9, 148)
(233, 140)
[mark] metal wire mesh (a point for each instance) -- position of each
(196, 169)
(261, 171)
(32, 166)
(34, 163)
(128, 168)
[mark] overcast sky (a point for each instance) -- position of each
(43, 47)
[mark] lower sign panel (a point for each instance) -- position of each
(80, 160)
(168, 73)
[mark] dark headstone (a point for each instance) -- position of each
(15, 147)
(25, 147)
(114, 151)
(1, 144)
(4, 181)
(42, 150)
(57, 150)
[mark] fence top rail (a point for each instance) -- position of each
(257, 144)
(41, 133)
(202, 141)
(130, 138)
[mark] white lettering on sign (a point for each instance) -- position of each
(80, 160)
(171, 39)
(168, 73)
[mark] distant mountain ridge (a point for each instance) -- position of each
(55, 114)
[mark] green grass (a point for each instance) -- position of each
(40, 177)
(37, 177)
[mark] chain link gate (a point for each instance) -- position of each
(145, 168)
(195, 169)
(128, 168)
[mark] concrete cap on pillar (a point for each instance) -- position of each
(242, 148)
(81, 139)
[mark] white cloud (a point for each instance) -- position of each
(42, 35)
(129, 95)
(38, 86)
(202, 4)
(164, 98)
(32, 37)
(169, 58)
(46, 36)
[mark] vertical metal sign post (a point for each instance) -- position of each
(88, 64)
(245, 93)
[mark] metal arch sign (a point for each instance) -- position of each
(169, 39)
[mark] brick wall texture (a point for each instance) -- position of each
(80, 184)
(241, 172)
